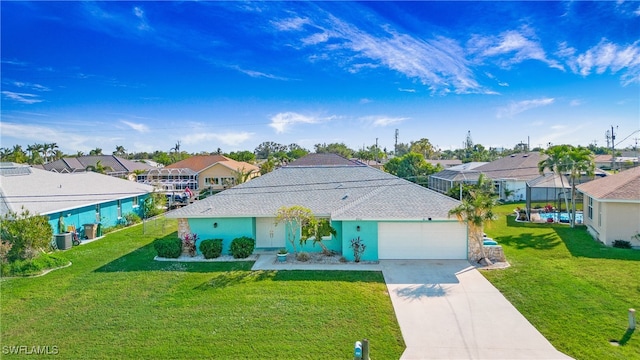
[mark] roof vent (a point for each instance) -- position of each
(525, 155)
(345, 196)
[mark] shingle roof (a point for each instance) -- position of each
(111, 162)
(314, 159)
(199, 163)
(45, 192)
(624, 185)
(342, 192)
(521, 166)
(550, 180)
(462, 172)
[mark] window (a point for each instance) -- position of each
(135, 200)
(212, 181)
(590, 208)
(119, 209)
(97, 212)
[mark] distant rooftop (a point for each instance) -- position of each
(314, 159)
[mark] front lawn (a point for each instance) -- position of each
(116, 302)
(576, 291)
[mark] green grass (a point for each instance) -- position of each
(116, 302)
(574, 290)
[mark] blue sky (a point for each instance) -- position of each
(232, 75)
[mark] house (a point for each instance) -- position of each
(200, 172)
(394, 218)
(112, 165)
(612, 207)
(511, 174)
(608, 162)
(78, 198)
(443, 181)
(444, 163)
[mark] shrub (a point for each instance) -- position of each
(34, 266)
(358, 248)
(189, 244)
(303, 256)
(132, 218)
(622, 244)
(168, 248)
(242, 247)
(211, 248)
(28, 234)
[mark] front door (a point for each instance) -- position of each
(268, 234)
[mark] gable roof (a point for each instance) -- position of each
(199, 163)
(324, 159)
(113, 163)
(44, 192)
(341, 192)
(521, 166)
(464, 172)
(624, 185)
(550, 180)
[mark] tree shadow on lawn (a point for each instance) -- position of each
(141, 259)
(528, 240)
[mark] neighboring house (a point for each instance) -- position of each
(112, 165)
(512, 172)
(452, 177)
(444, 163)
(607, 162)
(325, 159)
(78, 198)
(394, 218)
(216, 172)
(612, 207)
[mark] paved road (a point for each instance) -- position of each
(447, 310)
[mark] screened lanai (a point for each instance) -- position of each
(549, 188)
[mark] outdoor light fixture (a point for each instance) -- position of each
(358, 228)
(215, 225)
(429, 219)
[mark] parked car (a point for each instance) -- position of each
(177, 198)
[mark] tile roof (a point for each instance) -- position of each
(45, 192)
(624, 185)
(342, 192)
(199, 163)
(324, 159)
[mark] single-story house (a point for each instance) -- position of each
(452, 177)
(393, 217)
(112, 165)
(77, 198)
(200, 172)
(444, 163)
(612, 207)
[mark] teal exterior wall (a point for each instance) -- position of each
(368, 235)
(334, 244)
(227, 229)
(87, 214)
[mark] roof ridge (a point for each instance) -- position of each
(361, 199)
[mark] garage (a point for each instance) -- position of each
(422, 240)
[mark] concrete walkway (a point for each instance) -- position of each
(447, 310)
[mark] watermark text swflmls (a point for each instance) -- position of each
(30, 350)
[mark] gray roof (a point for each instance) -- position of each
(324, 159)
(521, 166)
(341, 192)
(113, 164)
(550, 180)
(45, 192)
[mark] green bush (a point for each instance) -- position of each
(168, 248)
(33, 266)
(132, 218)
(28, 235)
(622, 244)
(242, 247)
(211, 248)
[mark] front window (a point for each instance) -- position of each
(590, 209)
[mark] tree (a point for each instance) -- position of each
(402, 149)
(95, 152)
(557, 161)
(424, 147)
(269, 148)
(243, 175)
(476, 210)
(120, 151)
(316, 229)
(294, 219)
(245, 156)
(296, 151)
(335, 148)
(153, 205)
(268, 166)
(99, 168)
(411, 166)
(28, 234)
(581, 162)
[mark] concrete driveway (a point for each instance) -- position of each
(447, 310)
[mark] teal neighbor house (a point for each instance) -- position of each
(71, 199)
(394, 218)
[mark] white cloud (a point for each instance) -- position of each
(22, 97)
(31, 86)
(141, 128)
(365, 101)
(295, 23)
(228, 138)
(382, 121)
(139, 13)
(515, 108)
(258, 74)
(281, 122)
(509, 48)
(35, 133)
(407, 90)
(609, 56)
(575, 102)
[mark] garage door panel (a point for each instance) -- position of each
(422, 241)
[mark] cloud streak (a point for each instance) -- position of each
(24, 98)
(382, 120)
(228, 138)
(606, 56)
(139, 127)
(282, 122)
(515, 108)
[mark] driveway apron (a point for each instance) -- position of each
(447, 310)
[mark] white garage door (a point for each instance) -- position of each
(424, 240)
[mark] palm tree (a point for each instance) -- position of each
(476, 210)
(96, 151)
(120, 151)
(243, 175)
(51, 152)
(581, 163)
(99, 168)
(558, 162)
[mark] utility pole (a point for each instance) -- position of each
(376, 150)
(395, 149)
(613, 148)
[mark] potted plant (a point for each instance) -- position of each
(282, 255)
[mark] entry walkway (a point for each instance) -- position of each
(447, 310)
